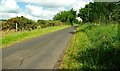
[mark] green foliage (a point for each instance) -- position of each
(100, 12)
(66, 16)
(27, 24)
(22, 22)
(94, 46)
(47, 23)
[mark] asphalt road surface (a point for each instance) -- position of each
(37, 53)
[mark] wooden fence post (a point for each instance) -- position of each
(16, 27)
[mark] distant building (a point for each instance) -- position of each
(79, 19)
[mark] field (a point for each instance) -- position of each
(11, 38)
(94, 46)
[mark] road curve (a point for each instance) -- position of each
(38, 53)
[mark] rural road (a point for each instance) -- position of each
(37, 53)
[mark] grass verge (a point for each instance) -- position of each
(12, 38)
(93, 47)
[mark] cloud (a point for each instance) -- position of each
(37, 9)
(57, 3)
(51, 3)
(10, 15)
(34, 10)
(42, 13)
(46, 9)
(5, 15)
(9, 6)
(8, 9)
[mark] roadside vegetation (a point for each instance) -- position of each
(96, 41)
(20, 28)
(13, 37)
(22, 23)
(94, 46)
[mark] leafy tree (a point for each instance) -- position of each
(100, 11)
(66, 16)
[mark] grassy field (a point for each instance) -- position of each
(93, 47)
(14, 37)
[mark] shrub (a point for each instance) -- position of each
(22, 24)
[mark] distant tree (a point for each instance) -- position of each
(66, 16)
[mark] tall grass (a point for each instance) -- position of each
(12, 38)
(94, 46)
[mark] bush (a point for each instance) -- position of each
(48, 23)
(27, 24)
(22, 24)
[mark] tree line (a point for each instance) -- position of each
(92, 12)
(100, 12)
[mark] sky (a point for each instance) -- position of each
(37, 9)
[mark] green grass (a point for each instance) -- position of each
(93, 47)
(12, 38)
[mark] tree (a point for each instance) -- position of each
(66, 16)
(100, 11)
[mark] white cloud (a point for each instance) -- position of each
(7, 15)
(57, 3)
(34, 10)
(9, 6)
(42, 13)
(80, 4)
(48, 8)
(10, 15)
(8, 9)
(51, 3)
(38, 9)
